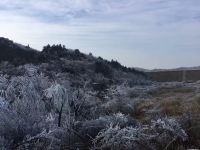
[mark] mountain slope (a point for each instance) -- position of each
(16, 53)
(58, 59)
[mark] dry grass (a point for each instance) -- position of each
(171, 107)
(141, 109)
(166, 91)
(172, 100)
(176, 102)
(195, 105)
(197, 100)
(183, 90)
(169, 101)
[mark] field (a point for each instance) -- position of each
(175, 100)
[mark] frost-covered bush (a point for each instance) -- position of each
(119, 104)
(52, 139)
(169, 133)
(21, 121)
(3, 82)
(93, 127)
(171, 126)
(62, 103)
(3, 103)
(127, 138)
(119, 119)
(4, 144)
(191, 123)
(159, 135)
(22, 110)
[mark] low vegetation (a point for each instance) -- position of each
(71, 100)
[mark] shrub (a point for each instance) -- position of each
(191, 124)
(104, 69)
(127, 138)
(93, 127)
(22, 110)
(159, 135)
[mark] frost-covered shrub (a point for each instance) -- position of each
(22, 110)
(119, 119)
(23, 86)
(84, 105)
(52, 139)
(71, 103)
(22, 119)
(4, 144)
(159, 135)
(58, 94)
(191, 123)
(93, 127)
(123, 105)
(171, 126)
(60, 97)
(169, 133)
(3, 82)
(127, 138)
(3, 103)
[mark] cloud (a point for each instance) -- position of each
(156, 12)
(133, 29)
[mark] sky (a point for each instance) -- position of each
(138, 33)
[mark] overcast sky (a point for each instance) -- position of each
(137, 33)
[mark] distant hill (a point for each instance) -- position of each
(175, 69)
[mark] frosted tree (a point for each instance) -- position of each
(60, 99)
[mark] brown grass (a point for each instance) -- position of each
(197, 100)
(141, 109)
(183, 90)
(195, 108)
(164, 91)
(171, 107)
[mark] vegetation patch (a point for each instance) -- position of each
(171, 107)
(183, 90)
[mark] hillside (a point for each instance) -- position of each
(61, 99)
(16, 53)
(58, 59)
